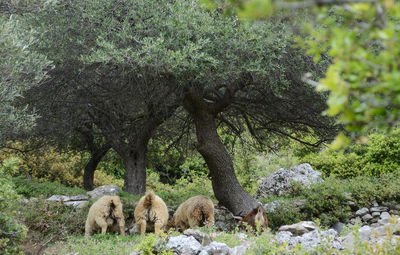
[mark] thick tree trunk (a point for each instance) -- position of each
(225, 184)
(135, 171)
(88, 174)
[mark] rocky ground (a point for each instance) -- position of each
(379, 222)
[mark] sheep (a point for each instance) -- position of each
(255, 217)
(105, 214)
(196, 211)
(151, 213)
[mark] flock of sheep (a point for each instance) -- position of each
(151, 215)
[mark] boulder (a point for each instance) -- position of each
(78, 201)
(201, 237)
(299, 228)
(280, 182)
(110, 190)
(362, 212)
(215, 248)
(223, 219)
(185, 245)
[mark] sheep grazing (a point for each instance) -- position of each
(196, 211)
(151, 213)
(105, 214)
(255, 217)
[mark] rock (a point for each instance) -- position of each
(272, 206)
(185, 245)
(395, 212)
(216, 248)
(201, 237)
(238, 250)
(223, 219)
(375, 204)
(280, 182)
(367, 217)
(284, 237)
(379, 209)
(362, 212)
(338, 226)
(134, 253)
(299, 228)
(134, 230)
(111, 190)
(78, 201)
(365, 232)
(376, 214)
(384, 215)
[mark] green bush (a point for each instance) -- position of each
(381, 154)
(12, 232)
(186, 187)
(32, 188)
(51, 220)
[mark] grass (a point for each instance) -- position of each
(97, 244)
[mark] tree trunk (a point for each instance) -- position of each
(135, 169)
(225, 184)
(88, 174)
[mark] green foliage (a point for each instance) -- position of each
(381, 154)
(31, 188)
(12, 232)
(20, 68)
(148, 245)
(362, 41)
(326, 201)
(184, 188)
(50, 219)
(96, 244)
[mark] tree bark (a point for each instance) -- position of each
(224, 182)
(135, 170)
(88, 174)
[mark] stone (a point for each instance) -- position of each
(385, 215)
(223, 219)
(376, 214)
(379, 209)
(216, 248)
(238, 250)
(375, 204)
(299, 228)
(383, 221)
(110, 190)
(201, 237)
(182, 244)
(280, 182)
(79, 201)
(365, 232)
(395, 212)
(272, 206)
(362, 212)
(367, 217)
(134, 230)
(338, 227)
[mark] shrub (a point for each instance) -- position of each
(46, 163)
(184, 188)
(12, 232)
(51, 220)
(380, 155)
(32, 188)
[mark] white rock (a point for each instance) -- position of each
(385, 215)
(280, 182)
(182, 244)
(110, 190)
(217, 248)
(299, 228)
(362, 212)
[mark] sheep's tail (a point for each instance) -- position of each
(149, 198)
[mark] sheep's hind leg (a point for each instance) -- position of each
(102, 224)
(141, 225)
